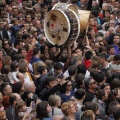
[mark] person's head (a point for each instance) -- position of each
(72, 70)
(14, 67)
(14, 98)
(6, 88)
(116, 114)
(21, 77)
(91, 106)
(50, 82)
(18, 44)
(102, 58)
(101, 95)
(88, 55)
(80, 94)
(68, 108)
(106, 88)
(79, 79)
(26, 38)
(115, 83)
(42, 70)
(5, 44)
(28, 18)
(3, 115)
(64, 57)
(15, 11)
(110, 49)
(81, 69)
(54, 100)
(67, 86)
(116, 59)
(36, 52)
(6, 60)
(20, 107)
(78, 51)
(112, 106)
(100, 77)
(23, 67)
(37, 8)
(29, 87)
(43, 109)
(17, 87)
(116, 39)
(58, 67)
(90, 83)
(88, 115)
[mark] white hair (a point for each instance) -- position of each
(27, 85)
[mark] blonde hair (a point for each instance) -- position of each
(53, 99)
(65, 107)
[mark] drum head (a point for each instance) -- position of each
(57, 27)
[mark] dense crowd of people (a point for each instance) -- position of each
(41, 81)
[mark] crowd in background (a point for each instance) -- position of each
(41, 81)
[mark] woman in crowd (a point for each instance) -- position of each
(55, 102)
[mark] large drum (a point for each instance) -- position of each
(62, 26)
(84, 20)
(63, 6)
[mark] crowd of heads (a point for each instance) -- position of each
(41, 81)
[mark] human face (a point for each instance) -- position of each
(116, 40)
(24, 108)
(58, 71)
(107, 89)
(59, 102)
(92, 84)
(6, 44)
(28, 18)
(112, 51)
(52, 84)
(32, 88)
(24, 53)
(72, 109)
(49, 108)
(78, 52)
(69, 86)
(8, 90)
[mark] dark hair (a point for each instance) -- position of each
(25, 36)
(115, 84)
(116, 57)
(90, 106)
(79, 79)
(100, 77)
(41, 110)
(58, 66)
(80, 93)
(100, 94)
(88, 55)
(103, 55)
(3, 86)
(112, 106)
(94, 74)
(99, 27)
(87, 82)
(36, 51)
(116, 114)
(95, 13)
(49, 79)
(81, 69)
(72, 70)
(13, 66)
(64, 57)
(40, 69)
(17, 87)
(109, 47)
(17, 43)
(12, 98)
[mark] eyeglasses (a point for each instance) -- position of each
(93, 83)
(69, 85)
(6, 43)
